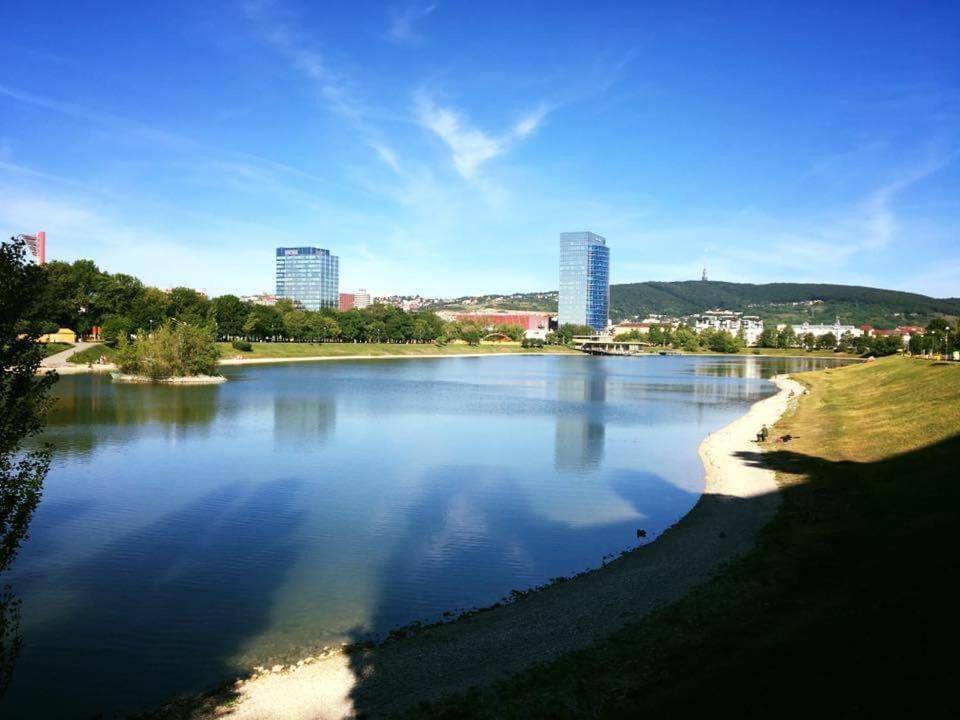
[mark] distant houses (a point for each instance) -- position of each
(748, 327)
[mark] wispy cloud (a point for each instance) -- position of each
(469, 146)
(334, 87)
(403, 22)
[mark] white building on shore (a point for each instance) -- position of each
(750, 326)
(818, 330)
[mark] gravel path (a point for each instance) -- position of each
(59, 360)
(477, 650)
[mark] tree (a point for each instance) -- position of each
(189, 306)
(769, 338)
(24, 399)
(809, 341)
(114, 327)
(230, 312)
(175, 349)
(263, 322)
(512, 331)
(725, 342)
(787, 338)
(685, 339)
(827, 341)
(296, 324)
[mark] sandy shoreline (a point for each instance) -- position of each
(738, 501)
(240, 362)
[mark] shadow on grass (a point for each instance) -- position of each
(846, 608)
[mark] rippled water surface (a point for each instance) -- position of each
(189, 533)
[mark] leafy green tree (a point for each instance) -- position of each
(684, 338)
(24, 399)
(787, 338)
(230, 312)
(113, 327)
(374, 331)
(769, 338)
(149, 309)
(263, 322)
(725, 342)
(175, 349)
(297, 325)
(827, 341)
(512, 331)
(189, 306)
(353, 325)
(809, 341)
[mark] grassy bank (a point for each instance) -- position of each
(321, 350)
(53, 348)
(92, 354)
(847, 607)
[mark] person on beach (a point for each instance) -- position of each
(763, 434)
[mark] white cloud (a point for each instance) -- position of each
(403, 22)
(469, 146)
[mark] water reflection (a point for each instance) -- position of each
(166, 550)
(580, 431)
(90, 410)
(302, 420)
(474, 533)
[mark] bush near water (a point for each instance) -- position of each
(173, 350)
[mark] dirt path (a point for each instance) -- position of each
(737, 502)
(60, 359)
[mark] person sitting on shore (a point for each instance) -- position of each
(764, 433)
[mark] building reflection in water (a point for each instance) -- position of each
(580, 432)
(303, 419)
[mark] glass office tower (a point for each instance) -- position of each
(309, 275)
(584, 280)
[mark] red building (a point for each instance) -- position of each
(527, 320)
(346, 301)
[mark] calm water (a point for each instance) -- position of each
(187, 534)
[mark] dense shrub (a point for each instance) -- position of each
(242, 345)
(173, 350)
(532, 343)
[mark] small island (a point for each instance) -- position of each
(176, 354)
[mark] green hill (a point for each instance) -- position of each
(781, 302)
(774, 302)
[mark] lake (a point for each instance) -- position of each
(189, 533)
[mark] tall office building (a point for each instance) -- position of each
(309, 275)
(584, 280)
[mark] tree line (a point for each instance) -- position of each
(82, 297)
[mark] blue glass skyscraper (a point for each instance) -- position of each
(308, 275)
(584, 280)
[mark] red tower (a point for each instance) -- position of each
(37, 245)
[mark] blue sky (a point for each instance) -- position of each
(441, 147)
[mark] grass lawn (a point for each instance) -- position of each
(92, 354)
(848, 607)
(54, 347)
(304, 350)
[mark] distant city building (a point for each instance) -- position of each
(836, 329)
(584, 280)
(37, 245)
(309, 275)
(260, 299)
(361, 299)
(346, 301)
(535, 324)
(737, 324)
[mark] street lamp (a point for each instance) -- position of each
(946, 341)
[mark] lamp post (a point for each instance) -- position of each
(946, 341)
